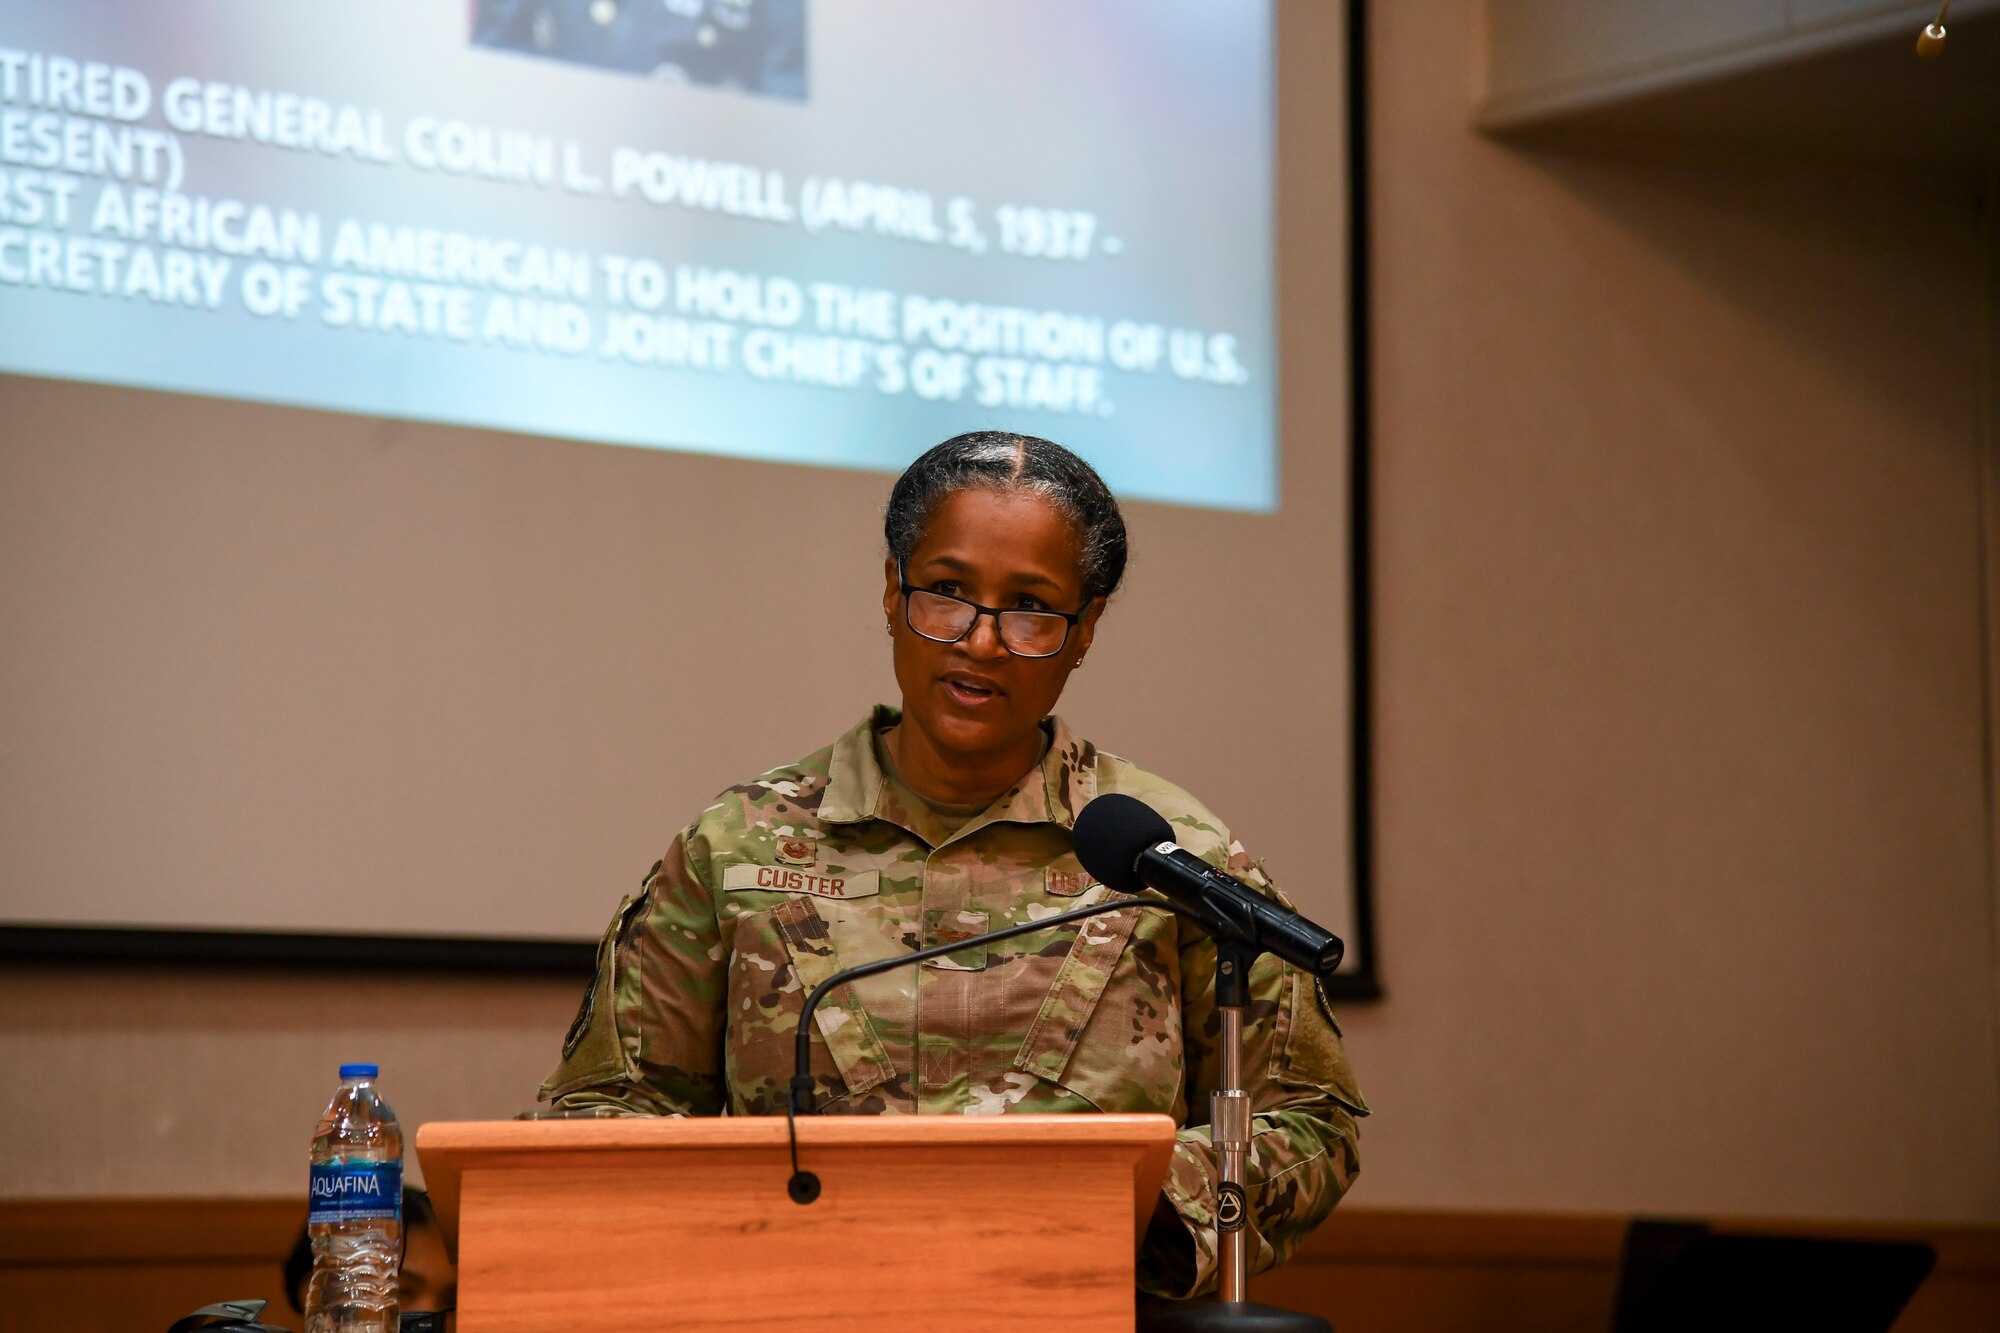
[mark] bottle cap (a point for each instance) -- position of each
(358, 1071)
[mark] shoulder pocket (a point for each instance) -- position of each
(1307, 1051)
(593, 1051)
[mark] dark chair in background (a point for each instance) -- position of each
(1676, 1277)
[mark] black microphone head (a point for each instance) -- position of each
(1111, 832)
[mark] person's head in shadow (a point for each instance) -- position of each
(427, 1279)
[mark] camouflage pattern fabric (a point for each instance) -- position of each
(820, 865)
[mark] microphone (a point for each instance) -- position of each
(1126, 844)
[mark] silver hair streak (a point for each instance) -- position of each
(1002, 461)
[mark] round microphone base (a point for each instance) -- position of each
(1226, 1317)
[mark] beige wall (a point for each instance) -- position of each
(1683, 890)
(1682, 878)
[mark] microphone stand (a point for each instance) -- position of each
(1229, 1130)
(1229, 1114)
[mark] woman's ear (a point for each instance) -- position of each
(892, 591)
(1086, 630)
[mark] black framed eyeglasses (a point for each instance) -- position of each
(942, 618)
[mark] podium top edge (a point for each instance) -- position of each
(658, 1134)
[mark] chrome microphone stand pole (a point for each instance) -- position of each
(1229, 1130)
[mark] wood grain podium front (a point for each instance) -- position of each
(924, 1222)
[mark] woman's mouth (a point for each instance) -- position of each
(969, 691)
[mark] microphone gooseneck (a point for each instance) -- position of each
(804, 1186)
(1930, 42)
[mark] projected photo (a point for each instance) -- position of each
(756, 46)
(1022, 214)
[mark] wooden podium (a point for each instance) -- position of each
(924, 1222)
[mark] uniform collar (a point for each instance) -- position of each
(1053, 793)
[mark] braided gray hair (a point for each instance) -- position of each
(1002, 461)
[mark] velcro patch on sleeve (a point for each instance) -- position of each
(751, 878)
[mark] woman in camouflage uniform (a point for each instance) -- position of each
(943, 819)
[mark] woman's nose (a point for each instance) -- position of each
(983, 639)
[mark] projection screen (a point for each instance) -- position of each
(330, 611)
(642, 223)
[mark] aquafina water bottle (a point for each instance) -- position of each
(356, 1216)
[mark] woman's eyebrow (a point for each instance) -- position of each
(953, 565)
